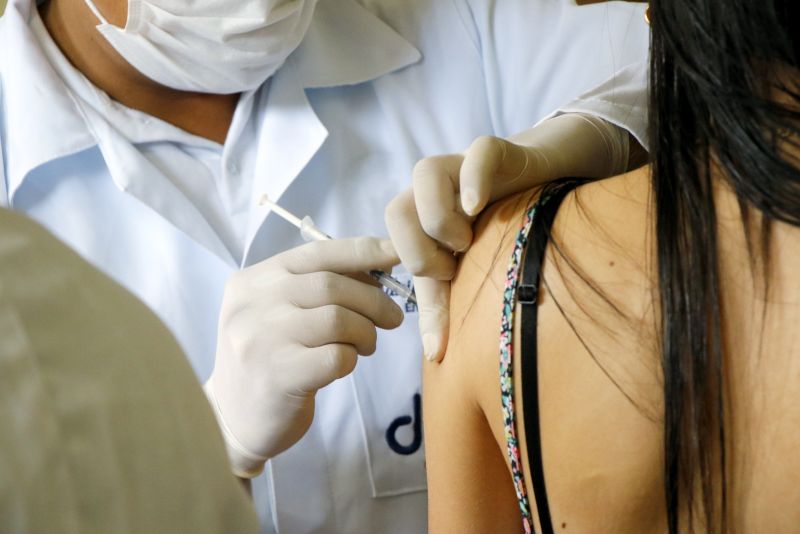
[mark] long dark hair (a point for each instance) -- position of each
(724, 101)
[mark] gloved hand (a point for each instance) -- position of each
(289, 326)
(432, 220)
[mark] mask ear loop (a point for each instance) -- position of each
(96, 11)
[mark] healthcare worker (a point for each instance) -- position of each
(144, 135)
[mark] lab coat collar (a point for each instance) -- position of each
(346, 44)
(42, 121)
(48, 121)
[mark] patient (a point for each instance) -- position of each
(653, 383)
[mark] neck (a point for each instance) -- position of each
(71, 24)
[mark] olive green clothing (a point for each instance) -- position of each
(103, 427)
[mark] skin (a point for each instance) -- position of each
(71, 24)
(602, 443)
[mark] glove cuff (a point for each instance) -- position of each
(616, 142)
(244, 463)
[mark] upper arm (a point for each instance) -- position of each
(469, 485)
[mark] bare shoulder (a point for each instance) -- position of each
(476, 303)
(600, 260)
(481, 273)
(601, 233)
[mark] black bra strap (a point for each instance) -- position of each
(527, 296)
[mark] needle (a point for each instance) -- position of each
(312, 233)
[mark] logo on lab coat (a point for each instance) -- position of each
(404, 420)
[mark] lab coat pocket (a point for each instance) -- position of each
(388, 391)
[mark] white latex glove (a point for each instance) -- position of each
(289, 326)
(433, 219)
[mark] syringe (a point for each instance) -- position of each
(311, 233)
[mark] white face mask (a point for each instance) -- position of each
(209, 46)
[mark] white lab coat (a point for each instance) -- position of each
(376, 85)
